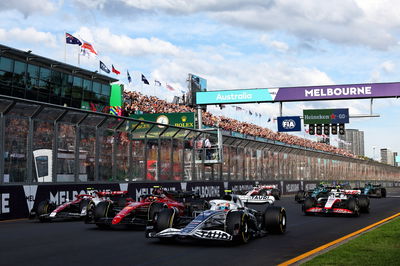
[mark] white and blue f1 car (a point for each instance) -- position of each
(227, 219)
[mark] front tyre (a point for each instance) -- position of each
(165, 219)
(363, 203)
(236, 224)
(44, 208)
(300, 195)
(275, 220)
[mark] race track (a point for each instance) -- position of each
(28, 242)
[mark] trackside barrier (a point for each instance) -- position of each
(16, 201)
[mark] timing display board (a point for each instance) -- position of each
(313, 93)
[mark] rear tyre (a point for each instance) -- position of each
(154, 209)
(236, 224)
(276, 193)
(308, 203)
(102, 211)
(300, 195)
(363, 203)
(383, 190)
(352, 205)
(84, 204)
(378, 193)
(275, 219)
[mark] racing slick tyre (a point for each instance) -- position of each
(275, 219)
(263, 193)
(101, 211)
(276, 193)
(383, 191)
(84, 205)
(378, 193)
(154, 209)
(300, 195)
(236, 224)
(308, 203)
(121, 202)
(44, 207)
(363, 203)
(352, 205)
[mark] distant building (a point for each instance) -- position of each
(353, 141)
(387, 156)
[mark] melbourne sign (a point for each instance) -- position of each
(313, 93)
(326, 116)
(289, 123)
(173, 119)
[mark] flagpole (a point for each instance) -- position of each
(65, 46)
(79, 57)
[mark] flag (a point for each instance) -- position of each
(89, 47)
(129, 76)
(115, 70)
(238, 108)
(170, 88)
(157, 83)
(104, 68)
(269, 120)
(183, 91)
(145, 81)
(72, 40)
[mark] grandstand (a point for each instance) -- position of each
(29, 76)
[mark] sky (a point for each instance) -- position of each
(234, 44)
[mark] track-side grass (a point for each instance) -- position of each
(381, 246)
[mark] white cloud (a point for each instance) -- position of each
(105, 41)
(28, 35)
(29, 7)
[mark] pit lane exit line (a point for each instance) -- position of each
(318, 249)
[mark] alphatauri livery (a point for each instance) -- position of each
(260, 194)
(226, 219)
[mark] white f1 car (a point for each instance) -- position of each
(261, 194)
(227, 219)
(338, 201)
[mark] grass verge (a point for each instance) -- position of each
(381, 246)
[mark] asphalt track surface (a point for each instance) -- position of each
(27, 242)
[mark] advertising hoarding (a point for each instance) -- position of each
(326, 116)
(173, 119)
(289, 123)
(309, 93)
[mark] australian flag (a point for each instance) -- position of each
(104, 68)
(72, 40)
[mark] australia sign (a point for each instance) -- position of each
(313, 93)
(326, 116)
(289, 123)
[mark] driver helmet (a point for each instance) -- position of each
(223, 206)
(157, 191)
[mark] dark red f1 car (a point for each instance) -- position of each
(144, 211)
(74, 209)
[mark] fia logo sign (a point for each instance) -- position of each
(288, 124)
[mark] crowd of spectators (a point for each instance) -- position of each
(135, 102)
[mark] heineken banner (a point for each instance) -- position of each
(173, 119)
(312, 93)
(326, 116)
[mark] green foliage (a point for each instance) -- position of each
(378, 247)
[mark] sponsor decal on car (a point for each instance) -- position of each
(213, 234)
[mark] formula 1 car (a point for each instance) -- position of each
(73, 209)
(141, 212)
(373, 191)
(322, 190)
(261, 192)
(338, 201)
(227, 219)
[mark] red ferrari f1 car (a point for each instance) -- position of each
(144, 211)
